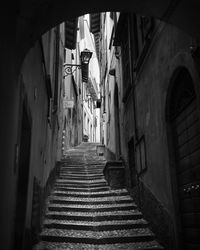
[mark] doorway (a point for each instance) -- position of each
(185, 135)
(22, 181)
(131, 162)
(117, 124)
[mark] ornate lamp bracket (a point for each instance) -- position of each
(69, 69)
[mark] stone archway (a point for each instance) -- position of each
(23, 22)
(34, 19)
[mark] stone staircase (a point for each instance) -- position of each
(84, 213)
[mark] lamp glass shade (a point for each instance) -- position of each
(85, 56)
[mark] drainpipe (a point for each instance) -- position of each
(131, 27)
(136, 139)
(56, 72)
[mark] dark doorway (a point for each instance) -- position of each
(117, 124)
(185, 131)
(131, 162)
(22, 181)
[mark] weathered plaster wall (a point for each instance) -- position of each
(151, 88)
(43, 141)
(169, 50)
(44, 134)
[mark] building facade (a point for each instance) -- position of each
(90, 118)
(90, 85)
(36, 150)
(72, 115)
(150, 96)
(80, 86)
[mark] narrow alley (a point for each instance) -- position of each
(100, 125)
(83, 212)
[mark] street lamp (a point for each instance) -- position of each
(69, 69)
(85, 56)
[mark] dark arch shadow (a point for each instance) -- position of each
(35, 19)
(117, 122)
(178, 73)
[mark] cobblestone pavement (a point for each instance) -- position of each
(84, 213)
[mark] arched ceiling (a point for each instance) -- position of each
(34, 17)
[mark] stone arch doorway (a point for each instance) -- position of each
(117, 123)
(184, 132)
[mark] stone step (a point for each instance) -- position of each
(85, 201)
(78, 174)
(111, 199)
(94, 160)
(81, 185)
(80, 181)
(75, 159)
(95, 216)
(95, 225)
(82, 172)
(68, 173)
(82, 166)
(73, 165)
(94, 165)
(122, 192)
(82, 169)
(87, 208)
(85, 173)
(97, 237)
(145, 245)
(82, 178)
(89, 203)
(81, 189)
(83, 212)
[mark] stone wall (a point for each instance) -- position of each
(40, 195)
(155, 213)
(169, 49)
